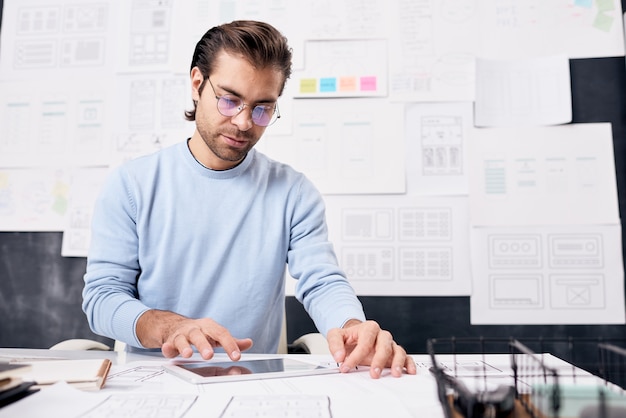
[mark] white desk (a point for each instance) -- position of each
(140, 376)
(350, 395)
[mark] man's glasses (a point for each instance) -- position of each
(230, 105)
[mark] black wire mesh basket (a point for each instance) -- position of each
(531, 377)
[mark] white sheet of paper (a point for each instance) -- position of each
(143, 35)
(84, 189)
(149, 114)
(34, 199)
(568, 274)
(523, 92)
(401, 245)
(44, 39)
(432, 51)
(345, 146)
(580, 29)
(437, 147)
(538, 175)
(60, 123)
(60, 397)
(358, 68)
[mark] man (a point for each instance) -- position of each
(189, 245)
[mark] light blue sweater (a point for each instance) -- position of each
(170, 234)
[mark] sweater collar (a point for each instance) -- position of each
(198, 168)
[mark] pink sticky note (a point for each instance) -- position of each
(368, 83)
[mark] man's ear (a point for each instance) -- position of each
(197, 78)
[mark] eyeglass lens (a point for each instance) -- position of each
(262, 115)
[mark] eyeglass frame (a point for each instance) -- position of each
(274, 117)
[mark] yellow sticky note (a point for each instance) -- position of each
(308, 85)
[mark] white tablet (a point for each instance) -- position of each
(232, 371)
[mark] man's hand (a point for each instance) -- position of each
(175, 334)
(365, 343)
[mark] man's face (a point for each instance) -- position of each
(229, 138)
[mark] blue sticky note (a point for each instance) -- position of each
(328, 84)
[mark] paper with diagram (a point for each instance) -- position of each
(545, 227)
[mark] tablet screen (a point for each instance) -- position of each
(208, 371)
(244, 367)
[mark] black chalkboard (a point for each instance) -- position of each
(40, 292)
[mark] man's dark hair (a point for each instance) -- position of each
(259, 43)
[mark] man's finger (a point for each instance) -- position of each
(384, 351)
(220, 337)
(240, 345)
(399, 360)
(366, 339)
(168, 350)
(411, 367)
(181, 345)
(336, 345)
(244, 344)
(202, 344)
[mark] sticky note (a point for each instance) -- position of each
(368, 83)
(328, 85)
(308, 85)
(603, 22)
(347, 84)
(605, 5)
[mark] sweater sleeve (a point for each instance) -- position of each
(322, 286)
(110, 293)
